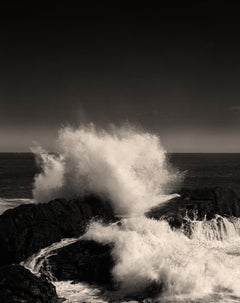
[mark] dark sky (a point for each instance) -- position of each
(173, 69)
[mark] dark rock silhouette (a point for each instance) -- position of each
(198, 204)
(18, 284)
(85, 260)
(91, 262)
(28, 228)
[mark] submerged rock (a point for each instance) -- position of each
(82, 261)
(18, 285)
(26, 229)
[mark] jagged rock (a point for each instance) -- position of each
(91, 262)
(26, 229)
(85, 260)
(198, 204)
(19, 285)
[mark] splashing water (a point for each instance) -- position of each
(130, 168)
(219, 228)
(149, 251)
(124, 165)
(35, 262)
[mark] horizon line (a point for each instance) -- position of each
(168, 152)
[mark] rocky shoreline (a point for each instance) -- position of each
(82, 261)
(198, 204)
(28, 228)
(18, 284)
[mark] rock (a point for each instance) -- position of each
(198, 204)
(82, 261)
(91, 262)
(19, 285)
(26, 229)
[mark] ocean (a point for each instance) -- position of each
(192, 268)
(17, 171)
(208, 169)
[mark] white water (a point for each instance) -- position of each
(219, 228)
(150, 251)
(200, 269)
(73, 293)
(35, 262)
(127, 166)
(130, 168)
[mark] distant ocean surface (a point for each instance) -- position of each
(17, 171)
(208, 170)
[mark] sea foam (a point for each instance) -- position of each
(148, 252)
(127, 166)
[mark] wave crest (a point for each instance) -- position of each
(127, 166)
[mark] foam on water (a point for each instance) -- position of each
(219, 228)
(149, 251)
(130, 168)
(35, 262)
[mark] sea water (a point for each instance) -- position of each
(133, 170)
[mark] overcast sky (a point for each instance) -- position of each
(172, 70)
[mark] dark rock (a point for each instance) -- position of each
(26, 229)
(18, 284)
(198, 204)
(84, 260)
(91, 262)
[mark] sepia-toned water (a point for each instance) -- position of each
(205, 268)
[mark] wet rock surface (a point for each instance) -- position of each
(28, 228)
(198, 204)
(19, 285)
(85, 260)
